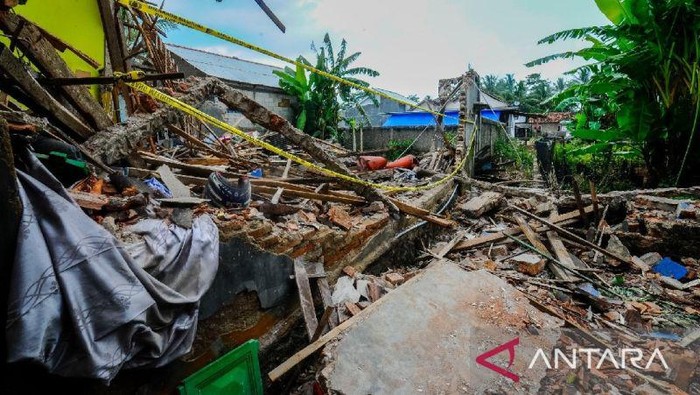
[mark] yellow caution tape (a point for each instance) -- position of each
(189, 110)
(143, 7)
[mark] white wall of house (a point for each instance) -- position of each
(279, 103)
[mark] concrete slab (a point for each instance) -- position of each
(426, 335)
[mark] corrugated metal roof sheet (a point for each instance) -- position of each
(418, 119)
(228, 67)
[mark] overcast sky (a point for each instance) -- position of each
(412, 43)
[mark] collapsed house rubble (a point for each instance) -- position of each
(159, 241)
(190, 221)
(599, 294)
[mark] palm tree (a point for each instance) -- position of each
(507, 88)
(490, 83)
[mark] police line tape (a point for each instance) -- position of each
(143, 7)
(189, 110)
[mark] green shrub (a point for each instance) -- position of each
(613, 167)
(397, 147)
(506, 150)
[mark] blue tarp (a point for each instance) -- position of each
(493, 115)
(421, 118)
(418, 119)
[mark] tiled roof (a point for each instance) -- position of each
(552, 117)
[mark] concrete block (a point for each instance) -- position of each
(425, 336)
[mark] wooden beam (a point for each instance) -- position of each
(326, 295)
(10, 218)
(579, 202)
(500, 236)
(530, 234)
(115, 47)
(16, 71)
(271, 15)
(39, 50)
(574, 237)
(310, 195)
(196, 142)
(199, 170)
(422, 214)
(562, 255)
(325, 321)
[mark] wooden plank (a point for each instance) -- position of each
(305, 298)
(325, 321)
(89, 201)
(276, 197)
(573, 236)
(562, 254)
(199, 170)
(285, 173)
(499, 236)
(324, 289)
(52, 108)
(422, 214)
(43, 55)
(478, 205)
(450, 245)
(530, 234)
(594, 200)
(310, 195)
(532, 237)
(115, 47)
(352, 308)
(579, 201)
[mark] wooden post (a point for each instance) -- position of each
(579, 201)
(354, 140)
(115, 47)
(362, 139)
(594, 200)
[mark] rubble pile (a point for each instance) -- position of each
(355, 291)
(639, 288)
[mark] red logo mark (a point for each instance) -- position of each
(510, 346)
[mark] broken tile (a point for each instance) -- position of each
(394, 278)
(530, 264)
(350, 271)
(340, 217)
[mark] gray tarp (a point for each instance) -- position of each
(81, 304)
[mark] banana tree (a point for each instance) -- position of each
(295, 83)
(643, 85)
